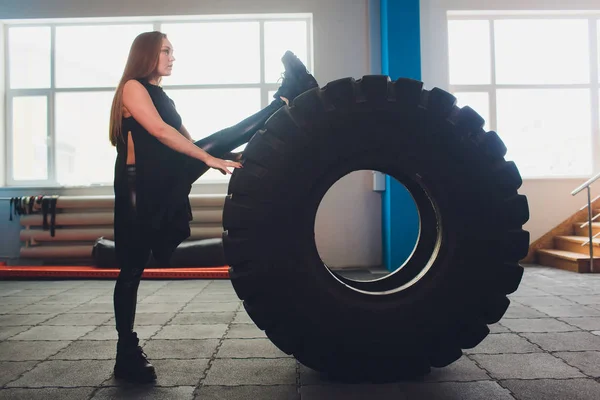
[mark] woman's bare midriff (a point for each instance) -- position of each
(130, 148)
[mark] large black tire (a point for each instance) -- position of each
(466, 259)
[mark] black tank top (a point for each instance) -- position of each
(162, 202)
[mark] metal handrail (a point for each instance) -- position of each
(586, 185)
(587, 241)
(588, 222)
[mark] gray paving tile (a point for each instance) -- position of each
(526, 291)
(525, 366)
(538, 325)
(203, 318)
(590, 299)
(503, 343)
(173, 298)
(66, 374)
(29, 350)
(179, 372)
(10, 331)
(211, 307)
(586, 361)
(576, 310)
(11, 308)
(91, 308)
(152, 318)
(158, 308)
(106, 299)
(53, 333)
(180, 349)
(249, 348)
(242, 318)
(543, 301)
(88, 350)
(215, 298)
(498, 328)
(21, 300)
(565, 341)
(234, 372)
(73, 319)
(215, 331)
(90, 291)
(109, 332)
(568, 290)
(145, 392)
(38, 292)
(8, 292)
(46, 394)
(12, 370)
(457, 391)
(585, 323)
(355, 392)
(75, 299)
(245, 331)
(572, 389)
(462, 369)
(23, 319)
(516, 310)
(287, 392)
(45, 308)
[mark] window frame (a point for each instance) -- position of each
(50, 93)
(436, 68)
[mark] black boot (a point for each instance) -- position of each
(296, 78)
(132, 364)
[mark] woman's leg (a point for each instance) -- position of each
(224, 141)
(133, 253)
(296, 80)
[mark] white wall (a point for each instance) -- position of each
(341, 48)
(550, 201)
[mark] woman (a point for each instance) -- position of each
(156, 165)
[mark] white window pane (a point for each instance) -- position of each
(547, 131)
(469, 52)
(93, 56)
(478, 101)
(542, 51)
(279, 37)
(214, 52)
(84, 155)
(206, 111)
(29, 57)
(29, 138)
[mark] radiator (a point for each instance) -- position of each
(80, 220)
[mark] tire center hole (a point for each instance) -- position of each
(351, 233)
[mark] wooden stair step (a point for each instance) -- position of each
(567, 260)
(576, 244)
(584, 231)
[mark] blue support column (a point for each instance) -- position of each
(400, 57)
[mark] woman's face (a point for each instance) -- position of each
(166, 59)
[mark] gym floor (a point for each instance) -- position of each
(57, 341)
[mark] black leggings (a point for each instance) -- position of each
(132, 249)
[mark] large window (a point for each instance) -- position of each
(534, 78)
(61, 78)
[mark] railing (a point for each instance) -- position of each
(591, 218)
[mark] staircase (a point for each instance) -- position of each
(572, 242)
(572, 252)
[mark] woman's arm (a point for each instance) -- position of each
(138, 102)
(185, 133)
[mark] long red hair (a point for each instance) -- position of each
(142, 62)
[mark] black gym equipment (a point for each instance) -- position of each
(464, 264)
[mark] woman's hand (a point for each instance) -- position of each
(222, 165)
